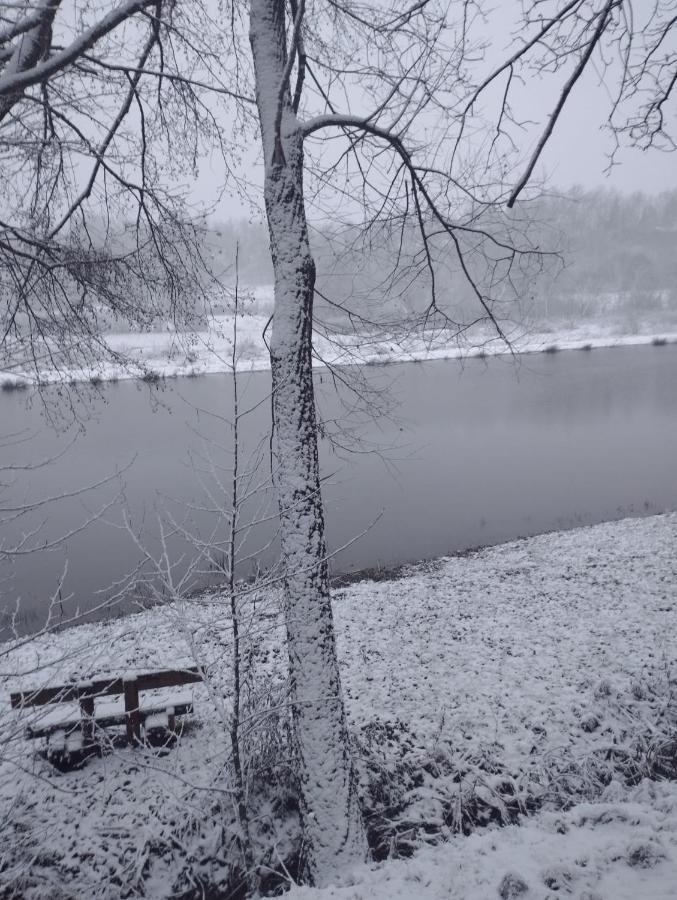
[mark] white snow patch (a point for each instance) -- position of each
(171, 354)
(606, 851)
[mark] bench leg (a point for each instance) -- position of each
(131, 691)
(87, 713)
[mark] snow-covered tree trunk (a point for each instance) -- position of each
(333, 828)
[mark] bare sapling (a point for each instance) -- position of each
(237, 661)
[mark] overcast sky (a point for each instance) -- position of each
(577, 152)
(579, 147)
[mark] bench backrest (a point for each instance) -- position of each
(68, 693)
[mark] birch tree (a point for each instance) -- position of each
(329, 803)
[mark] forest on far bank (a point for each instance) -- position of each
(607, 255)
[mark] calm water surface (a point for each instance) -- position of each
(472, 454)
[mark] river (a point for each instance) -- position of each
(471, 454)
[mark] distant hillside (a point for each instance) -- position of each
(614, 258)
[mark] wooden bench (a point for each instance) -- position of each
(86, 694)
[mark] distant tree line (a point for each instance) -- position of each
(612, 254)
(618, 252)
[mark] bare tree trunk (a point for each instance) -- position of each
(333, 828)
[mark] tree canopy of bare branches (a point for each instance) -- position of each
(102, 111)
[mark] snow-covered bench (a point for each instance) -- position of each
(104, 703)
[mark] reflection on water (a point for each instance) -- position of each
(474, 454)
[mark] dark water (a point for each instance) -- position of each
(473, 454)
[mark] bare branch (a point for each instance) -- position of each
(604, 17)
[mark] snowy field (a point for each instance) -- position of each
(168, 354)
(532, 684)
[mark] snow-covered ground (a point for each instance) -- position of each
(533, 683)
(620, 848)
(168, 354)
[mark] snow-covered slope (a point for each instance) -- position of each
(622, 850)
(511, 683)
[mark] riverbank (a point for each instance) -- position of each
(532, 682)
(160, 355)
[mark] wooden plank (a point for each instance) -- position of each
(65, 693)
(69, 725)
(168, 678)
(69, 693)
